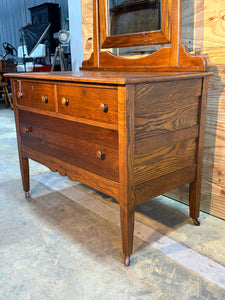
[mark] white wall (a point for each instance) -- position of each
(74, 7)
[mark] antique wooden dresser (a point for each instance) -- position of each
(131, 128)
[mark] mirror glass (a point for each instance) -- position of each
(133, 16)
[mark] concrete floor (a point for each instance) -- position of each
(65, 243)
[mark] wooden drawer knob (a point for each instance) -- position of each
(65, 101)
(103, 107)
(19, 94)
(101, 155)
(27, 129)
(44, 99)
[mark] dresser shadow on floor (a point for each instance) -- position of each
(93, 231)
(168, 212)
(74, 221)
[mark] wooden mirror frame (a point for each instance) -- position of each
(172, 58)
(162, 36)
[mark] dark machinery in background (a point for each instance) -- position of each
(9, 50)
(31, 37)
(43, 15)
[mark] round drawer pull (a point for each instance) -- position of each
(27, 129)
(103, 107)
(101, 155)
(19, 94)
(65, 101)
(44, 99)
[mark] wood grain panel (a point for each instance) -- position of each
(84, 145)
(154, 142)
(174, 106)
(164, 160)
(150, 189)
(86, 102)
(214, 25)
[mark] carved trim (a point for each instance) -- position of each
(160, 60)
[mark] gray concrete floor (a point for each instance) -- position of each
(65, 243)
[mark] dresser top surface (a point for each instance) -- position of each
(108, 77)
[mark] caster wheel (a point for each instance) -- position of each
(27, 194)
(196, 222)
(127, 261)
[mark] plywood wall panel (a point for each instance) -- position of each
(87, 27)
(209, 40)
(213, 177)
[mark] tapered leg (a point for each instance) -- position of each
(24, 168)
(126, 167)
(194, 201)
(24, 163)
(195, 187)
(127, 230)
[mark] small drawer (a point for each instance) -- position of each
(95, 103)
(36, 95)
(92, 148)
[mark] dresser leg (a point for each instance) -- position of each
(127, 231)
(24, 168)
(194, 201)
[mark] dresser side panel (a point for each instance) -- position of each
(166, 128)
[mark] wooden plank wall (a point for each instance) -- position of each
(204, 33)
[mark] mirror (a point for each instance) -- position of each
(128, 23)
(132, 16)
(161, 25)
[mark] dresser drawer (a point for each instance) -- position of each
(92, 148)
(95, 103)
(36, 95)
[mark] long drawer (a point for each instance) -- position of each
(89, 147)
